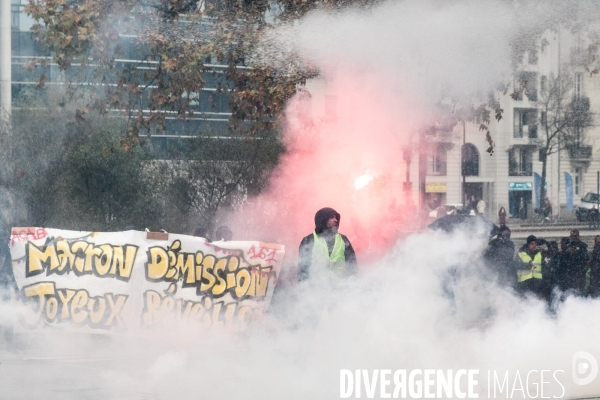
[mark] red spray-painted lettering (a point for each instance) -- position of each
(24, 234)
(263, 253)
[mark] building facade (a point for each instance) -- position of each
(507, 178)
(211, 110)
(450, 165)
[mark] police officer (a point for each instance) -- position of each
(529, 263)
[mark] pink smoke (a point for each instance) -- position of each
(353, 124)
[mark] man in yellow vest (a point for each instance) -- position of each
(325, 251)
(530, 264)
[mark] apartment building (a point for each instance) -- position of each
(459, 169)
(211, 110)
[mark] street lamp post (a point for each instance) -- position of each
(462, 166)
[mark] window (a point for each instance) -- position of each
(578, 85)
(436, 160)
(520, 162)
(470, 160)
(525, 123)
(532, 57)
(543, 83)
(579, 56)
(578, 41)
(543, 117)
(527, 83)
(15, 12)
(578, 189)
(590, 198)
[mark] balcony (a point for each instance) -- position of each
(580, 153)
(520, 161)
(521, 170)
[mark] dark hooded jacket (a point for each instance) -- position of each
(499, 257)
(307, 244)
(594, 289)
(577, 267)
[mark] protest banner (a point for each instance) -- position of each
(132, 280)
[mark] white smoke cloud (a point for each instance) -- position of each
(420, 47)
(427, 304)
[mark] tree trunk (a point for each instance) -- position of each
(543, 183)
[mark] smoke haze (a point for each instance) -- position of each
(427, 303)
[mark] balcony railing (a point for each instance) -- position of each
(521, 170)
(580, 152)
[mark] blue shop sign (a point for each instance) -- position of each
(520, 186)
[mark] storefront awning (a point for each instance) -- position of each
(520, 186)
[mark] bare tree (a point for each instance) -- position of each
(212, 175)
(564, 117)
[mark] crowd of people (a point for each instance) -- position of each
(548, 269)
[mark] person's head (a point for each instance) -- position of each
(326, 219)
(202, 232)
(332, 222)
(223, 233)
(564, 243)
(597, 240)
(574, 235)
(531, 242)
(553, 246)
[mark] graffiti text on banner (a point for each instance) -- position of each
(105, 282)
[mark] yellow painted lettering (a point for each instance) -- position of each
(65, 255)
(262, 281)
(221, 285)
(117, 260)
(96, 312)
(32, 315)
(208, 280)
(232, 266)
(188, 270)
(126, 267)
(65, 297)
(91, 252)
(79, 301)
(115, 305)
(37, 259)
(79, 249)
(151, 314)
(199, 258)
(157, 265)
(103, 261)
(51, 308)
(243, 283)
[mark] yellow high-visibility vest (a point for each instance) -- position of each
(337, 258)
(536, 270)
